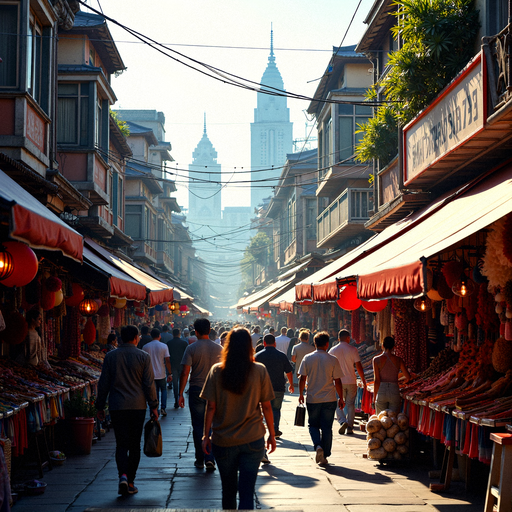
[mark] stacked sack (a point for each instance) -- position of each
(388, 435)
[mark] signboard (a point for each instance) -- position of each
(452, 118)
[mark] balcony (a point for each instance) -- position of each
(344, 217)
(329, 179)
(145, 252)
(163, 259)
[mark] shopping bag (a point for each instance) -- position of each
(152, 439)
(300, 415)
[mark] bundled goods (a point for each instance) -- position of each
(445, 360)
(388, 436)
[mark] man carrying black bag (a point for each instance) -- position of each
(127, 380)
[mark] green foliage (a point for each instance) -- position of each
(437, 42)
(257, 252)
(79, 407)
(122, 125)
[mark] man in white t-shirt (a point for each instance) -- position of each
(255, 336)
(323, 374)
(348, 356)
(283, 341)
(160, 360)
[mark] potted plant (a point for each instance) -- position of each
(80, 414)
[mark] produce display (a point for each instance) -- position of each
(388, 435)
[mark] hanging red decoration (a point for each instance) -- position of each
(77, 297)
(104, 310)
(89, 332)
(6, 263)
(88, 307)
(25, 264)
(306, 303)
(374, 306)
(451, 271)
(16, 328)
(348, 297)
(53, 284)
(183, 307)
(47, 301)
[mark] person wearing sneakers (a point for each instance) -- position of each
(323, 374)
(348, 356)
(127, 380)
(160, 360)
(197, 360)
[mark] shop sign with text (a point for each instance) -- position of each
(452, 119)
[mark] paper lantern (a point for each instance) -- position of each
(47, 299)
(348, 298)
(104, 310)
(183, 307)
(120, 303)
(374, 306)
(463, 286)
(25, 264)
(423, 304)
(88, 307)
(99, 302)
(89, 332)
(6, 263)
(434, 295)
(59, 297)
(77, 297)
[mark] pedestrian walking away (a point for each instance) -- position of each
(127, 380)
(323, 374)
(197, 360)
(348, 356)
(282, 341)
(237, 390)
(300, 350)
(160, 361)
(278, 366)
(386, 368)
(177, 347)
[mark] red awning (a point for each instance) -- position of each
(158, 292)
(34, 224)
(121, 284)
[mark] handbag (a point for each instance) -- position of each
(300, 416)
(152, 438)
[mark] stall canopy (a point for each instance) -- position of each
(394, 262)
(34, 224)
(284, 301)
(258, 299)
(158, 292)
(121, 284)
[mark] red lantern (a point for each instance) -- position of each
(6, 263)
(53, 284)
(77, 297)
(25, 264)
(89, 332)
(47, 299)
(183, 307)
(88, 307)
(348, 298)
(374, 306)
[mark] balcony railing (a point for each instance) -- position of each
(164, 259)
(349, 208)
(497, 51)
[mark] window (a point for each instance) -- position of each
(325, 146)
(73, 114)
(9, 45)
(292, 219)
(497, 18)
(349, 117)
(34, 56)
(311, 219)
(134, 221)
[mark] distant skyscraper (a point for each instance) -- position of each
(204, 199)
(271, 132)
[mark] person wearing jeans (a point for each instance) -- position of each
(323, 374)
(197, 360)
(127, 380)
(237, 389)
(348, 357)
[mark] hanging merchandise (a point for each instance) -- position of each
(120, 303)
(486, 317)
(47, 299)
(497, 267)
(442, 287)
(59, 297)
(25, 264)
(477, 275)
(52, 283)
(89, 332)
(452, 270)
(356, 326)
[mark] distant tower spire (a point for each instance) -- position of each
(271, 57)
(204, 123)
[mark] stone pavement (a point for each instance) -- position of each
(292, 481)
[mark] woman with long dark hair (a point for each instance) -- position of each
(237, 390)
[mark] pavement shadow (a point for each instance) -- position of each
(286, 477)
(354, 474)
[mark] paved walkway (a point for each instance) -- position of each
(291, 482)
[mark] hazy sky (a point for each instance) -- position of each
(233, 35)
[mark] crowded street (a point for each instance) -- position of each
(292, 481)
